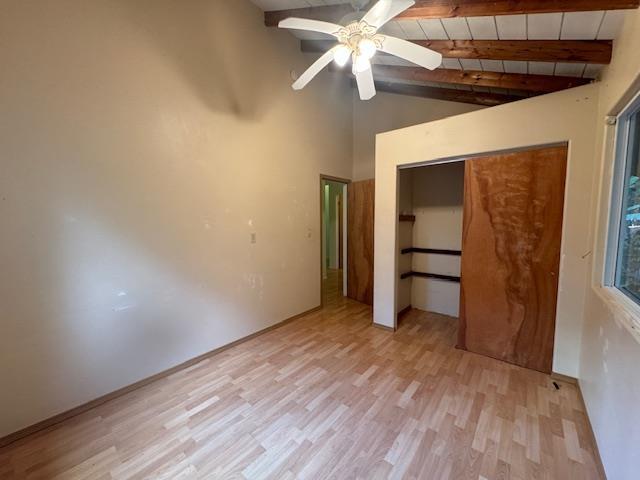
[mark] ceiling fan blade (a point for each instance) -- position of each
(310, 25)
(385, 10)
(313, 70)
(422, 56)
(366, 87)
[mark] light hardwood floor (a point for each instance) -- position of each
(327, 396)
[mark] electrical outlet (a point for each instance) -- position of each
(253, 238)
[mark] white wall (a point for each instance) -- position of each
(567, 116)
(438, 192)
(386, 112)
(610, 348)
(138, 152)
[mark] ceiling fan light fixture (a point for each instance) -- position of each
(359, 39)
(341, 54)
(367, 48)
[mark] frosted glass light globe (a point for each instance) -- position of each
(367, 48)
(341, 55)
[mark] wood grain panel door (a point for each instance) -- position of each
(513, 208)
(360, 241)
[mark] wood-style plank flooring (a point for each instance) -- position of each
(327, 396)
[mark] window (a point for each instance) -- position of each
(626, 228)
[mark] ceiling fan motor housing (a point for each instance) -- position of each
(355, 32)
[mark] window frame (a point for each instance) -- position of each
(622, 163)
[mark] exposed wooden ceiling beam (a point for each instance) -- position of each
(464, 96)
(572, 51)
(513, 81)
(424, 9)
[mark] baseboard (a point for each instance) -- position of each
(564, 378)
(383, 327)
(61, 417)
(404, 311)
(598, 458)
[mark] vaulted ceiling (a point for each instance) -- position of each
(494, 51)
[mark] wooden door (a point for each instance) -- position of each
(513, 206)
(360, 241)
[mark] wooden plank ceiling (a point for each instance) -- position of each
(494, 51)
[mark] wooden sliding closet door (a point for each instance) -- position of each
(360, 241)
(513, 206)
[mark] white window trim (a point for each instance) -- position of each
(625, 310)
(617, 189)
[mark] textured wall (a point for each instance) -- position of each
(139, 153)
(386, 112)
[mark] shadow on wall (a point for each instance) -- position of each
(444, 185)
(211, 51)
(128, 206)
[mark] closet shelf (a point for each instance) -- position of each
(436, 276)
(437, 251)
(407, 218)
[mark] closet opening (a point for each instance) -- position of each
(431, 203)
(480, 245)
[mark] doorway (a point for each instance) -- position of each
(333, 217)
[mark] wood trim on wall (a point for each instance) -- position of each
(61, 417)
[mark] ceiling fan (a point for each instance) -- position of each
(359, 41)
